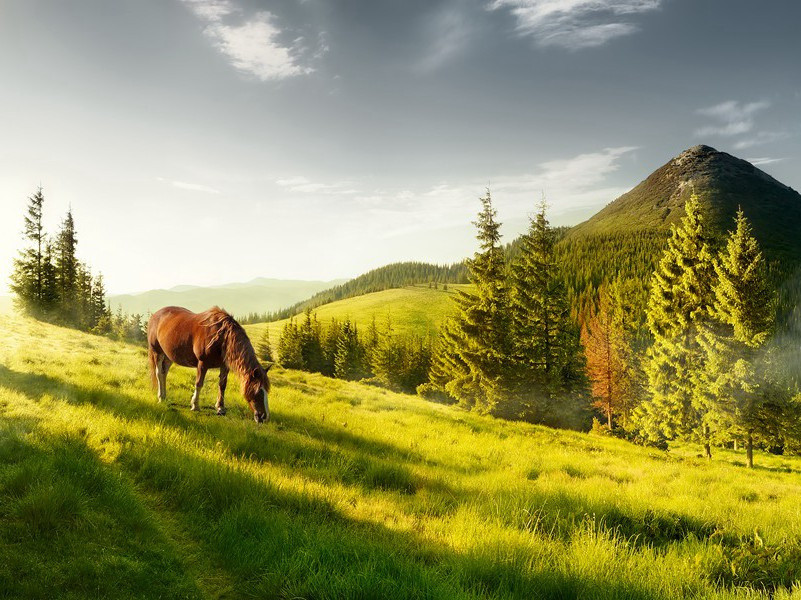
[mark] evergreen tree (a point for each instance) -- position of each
(71, 277)
(99, 311)
(350, 361)
(742, 319)
(311, 349)
(472, 364)
(28, 277)
(50, 296)
(545, 340)
(263, 349)
(289, 347)
(678, 306)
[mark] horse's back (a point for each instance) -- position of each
(180, 334)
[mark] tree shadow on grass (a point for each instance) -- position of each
(350, 460)
(286, 543)
(69, 527)
(283, 543)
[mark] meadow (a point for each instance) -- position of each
(353, 492)
(414, 309)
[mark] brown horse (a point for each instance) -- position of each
(207, 340)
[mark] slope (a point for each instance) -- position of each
(352, 491)
(724, 183)
(415, 310)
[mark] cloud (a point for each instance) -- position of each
(568, 184)
(734, 118)
(449, 32)
(252, 46)
(306, 186)
(760, 138)
(763, 161)
(575, 24)
(194, 187)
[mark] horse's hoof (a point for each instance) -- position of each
(221, 412)
(194, 408)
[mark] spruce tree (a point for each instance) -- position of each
(289, 347)
(263, 348)
(350, 360)
(28, 277)
(545, 344)
(472, 364)
(678, 306)
(742, 319)
(71, 277)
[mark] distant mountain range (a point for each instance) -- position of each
(240, 299)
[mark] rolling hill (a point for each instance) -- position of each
(259, 295)
(412, 309)
(353, 492)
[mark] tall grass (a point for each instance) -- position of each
(353, 491)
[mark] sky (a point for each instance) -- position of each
(213, 141)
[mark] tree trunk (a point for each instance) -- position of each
(708, 450)
(749, 450)
(736, 444)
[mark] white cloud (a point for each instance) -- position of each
(763, 160)
(252, 46)
(194, 187)
(760, 138)
(734, 118)
(449, 32)
(306, 186)
(575, 24)
(211, 10)
(568, 184)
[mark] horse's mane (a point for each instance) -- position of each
(237, 351)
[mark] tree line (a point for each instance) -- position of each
(387, 277)
(339, 349)
(51, 284)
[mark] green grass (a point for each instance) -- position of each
(353, 492)
(413, 309)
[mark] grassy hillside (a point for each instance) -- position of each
(412, 309)
(259, 295)
(353, 492)
(395, 275)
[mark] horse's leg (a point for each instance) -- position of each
(162, 366)
(223, 383)
(201, 376)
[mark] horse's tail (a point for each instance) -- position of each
(152, 357)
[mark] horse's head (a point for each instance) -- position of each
(256, 393)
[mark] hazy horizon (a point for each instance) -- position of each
(205, 142)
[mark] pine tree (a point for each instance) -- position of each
(350, 361)
(99, 311)
(545, 341)
(263, 348)
(742, 319)
(289, 347)
(472, 364)
(678, 306)
(28, 277)
(71, 277)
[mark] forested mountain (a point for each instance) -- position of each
(396, 275)
(625, 239)
(723, 183)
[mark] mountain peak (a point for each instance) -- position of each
(724, 183)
